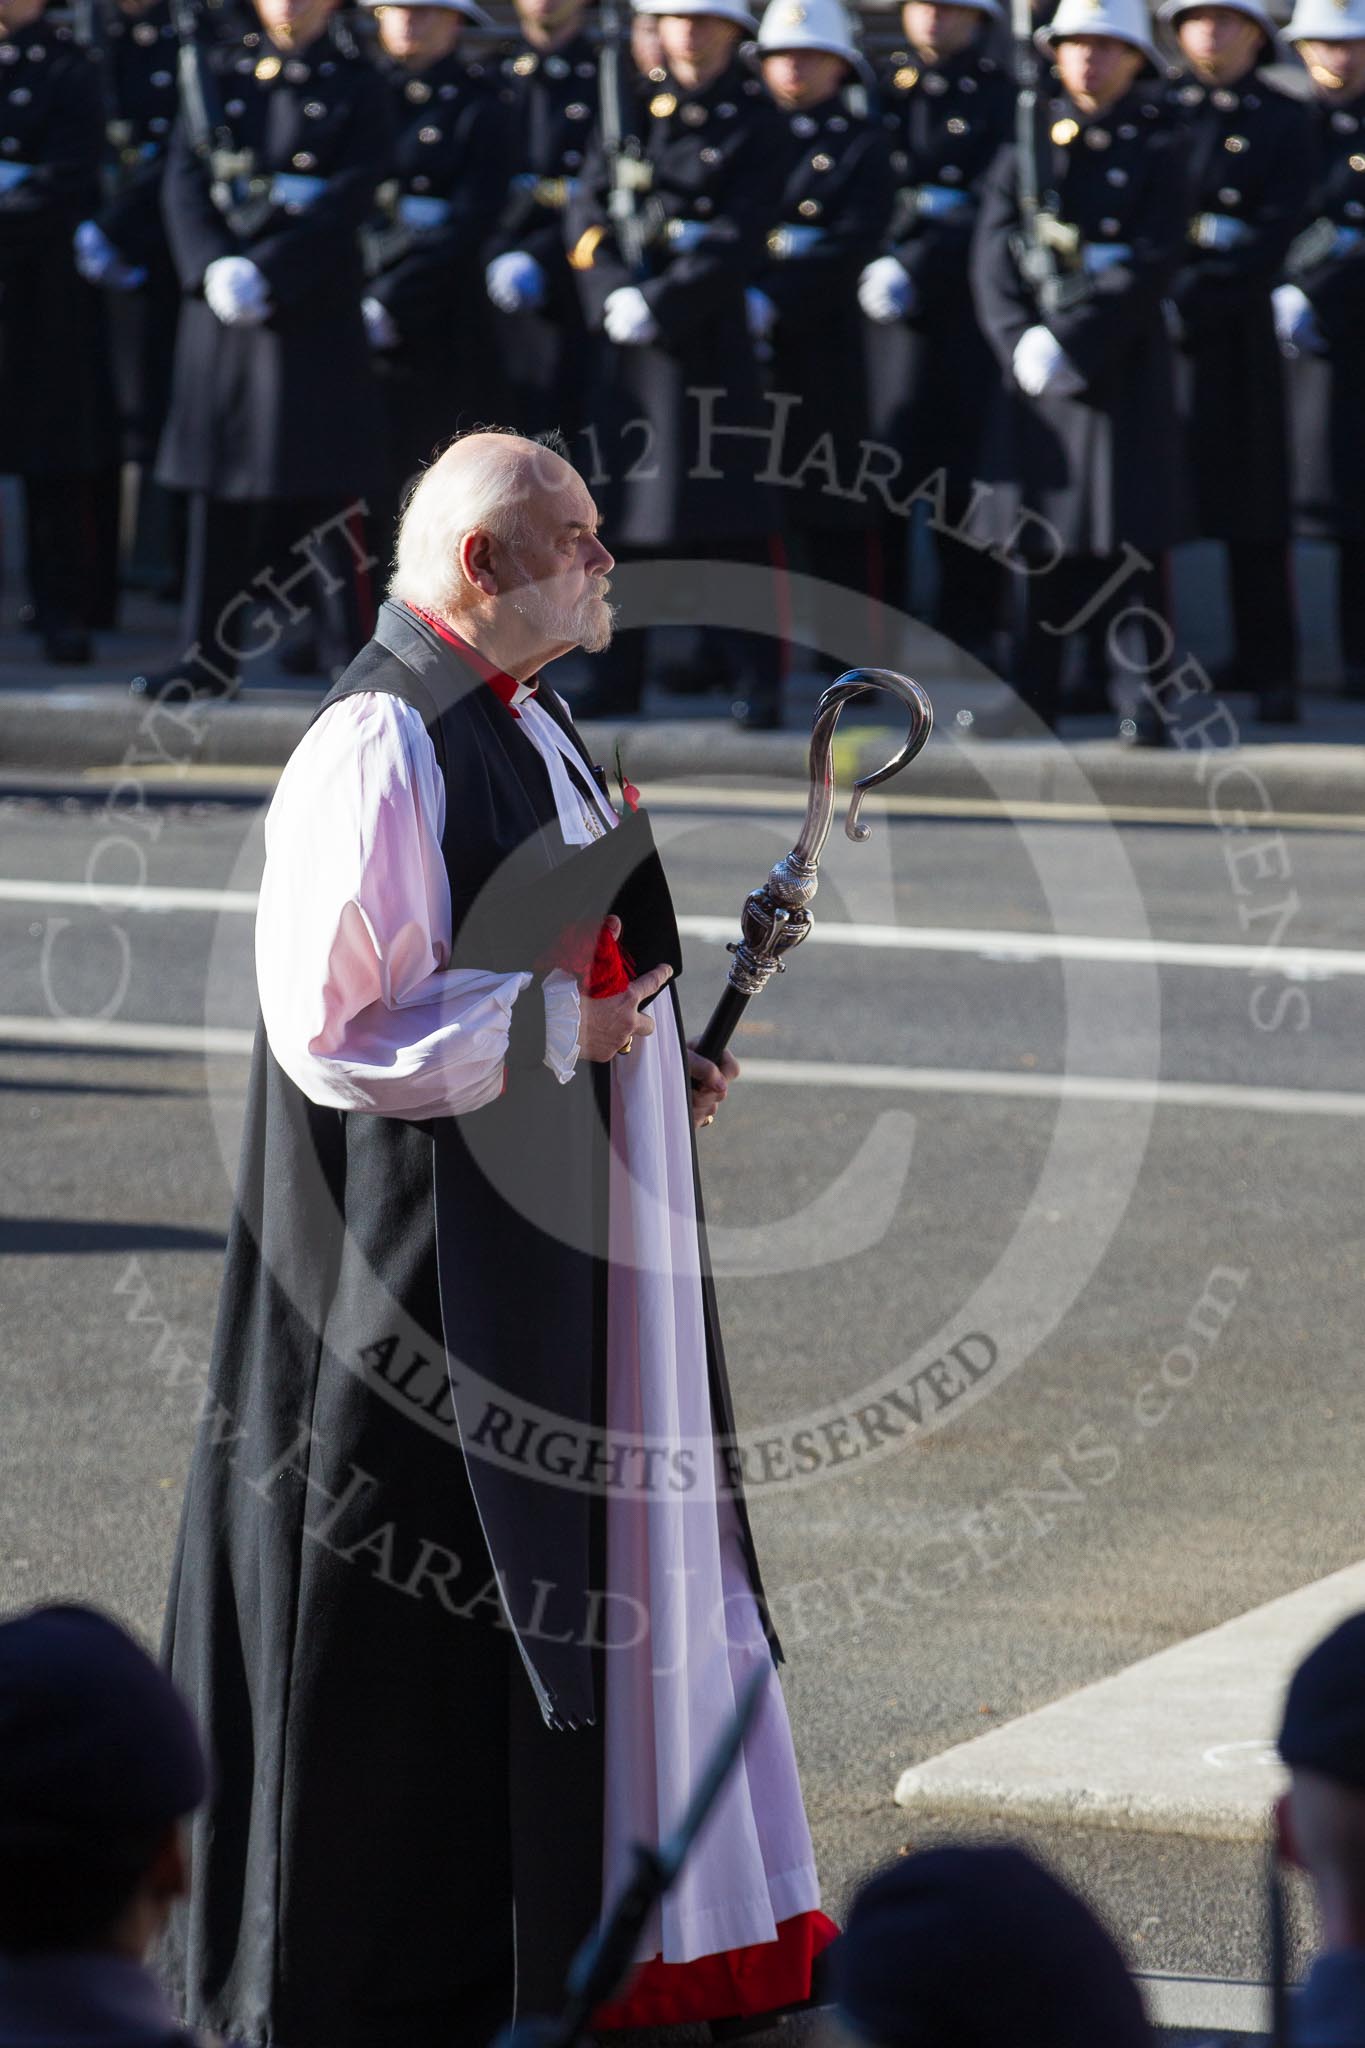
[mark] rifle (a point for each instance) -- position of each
(210, 137)
(604, 1960)
(630, 174)
(1043, 237)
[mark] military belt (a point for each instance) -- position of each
(294, 192)
(554, 193)
(937, 202)
(682, 235)
(1319, 243)
(419, 211)
(1219, 231)
(794, 240)
(1097, 257)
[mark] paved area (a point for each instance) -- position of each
(1182, 1743)
(77, 719)
(1069, 1520)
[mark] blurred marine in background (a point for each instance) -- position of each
(948, 109)
(429, 333)
(1320, 315)
(803, 308)
(51, 140)
(273, 426)
(667, 231)
(1250, 168)
(1073, 257)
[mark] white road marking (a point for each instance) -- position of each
(114, 1035)
(103, 1034)
(1068, 1087)
(1295, 963)
(1134, 1750)
(150, 896)
(1222, 2004)
(740, 799)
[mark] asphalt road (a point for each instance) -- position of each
(1068, 1515)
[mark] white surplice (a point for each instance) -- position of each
(352, 937)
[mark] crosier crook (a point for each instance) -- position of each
(775, 917)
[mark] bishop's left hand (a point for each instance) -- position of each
(710, 1084)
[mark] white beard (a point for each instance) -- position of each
(586, 623)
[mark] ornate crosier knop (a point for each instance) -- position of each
(775, 917)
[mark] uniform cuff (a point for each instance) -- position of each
(563, 1014)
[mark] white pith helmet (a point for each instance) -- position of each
(468, 8)
(1126, 20)
(723, 10)
(812, 25)
(1170, 13)
(1327, 21)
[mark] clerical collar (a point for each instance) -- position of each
(506, 688)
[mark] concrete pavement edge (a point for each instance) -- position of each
(74, 729)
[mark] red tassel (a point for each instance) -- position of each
(597, 960)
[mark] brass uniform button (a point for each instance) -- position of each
(663, 104)
(1064, 132)
(268, 68)
(905, 78)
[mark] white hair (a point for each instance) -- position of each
(482, 481)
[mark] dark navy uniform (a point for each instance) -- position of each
(831, 219)
(424, 263)
(51, 137)
(551, 102)
(281, 416)
(931, 371)
(140, 53)
(1089, 477)
(1250, 167)
(1327, 380)
(671, 478)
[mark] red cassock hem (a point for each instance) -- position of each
(763, 1978)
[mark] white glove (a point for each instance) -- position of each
(516, 282)
(380, 331)
(1296, 324)
(99, 262)
(627, 318)
(237, 292)
(760, 312)
(885, 293)
(1042, 366)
